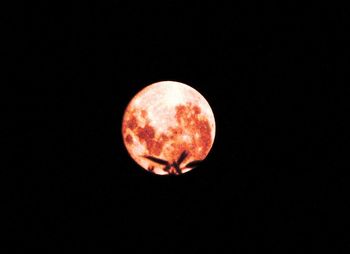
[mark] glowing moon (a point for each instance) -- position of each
(168, 128)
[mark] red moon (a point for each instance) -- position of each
(168, 128)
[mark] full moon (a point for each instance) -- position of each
(168, 128)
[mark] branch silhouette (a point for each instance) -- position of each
(176, 164)
(182, 157)
(193, 164)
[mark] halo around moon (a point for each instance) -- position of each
(168, 128)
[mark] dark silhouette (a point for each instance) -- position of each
(182, 157)
(175, 164)
(193, 164)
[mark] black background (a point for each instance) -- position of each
(274, 76)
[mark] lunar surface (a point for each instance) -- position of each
(168, 128)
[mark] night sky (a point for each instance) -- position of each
(273, 75)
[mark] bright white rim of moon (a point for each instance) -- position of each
(167, 120)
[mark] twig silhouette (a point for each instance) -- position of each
(167, 168)
(182, 157)
(177, 168)
(193, 164)
(175, 164)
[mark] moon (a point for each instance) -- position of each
(168, 128)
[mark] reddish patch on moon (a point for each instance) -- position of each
(128, 139)
(132, 122)
(147, 135)
(144, 114)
